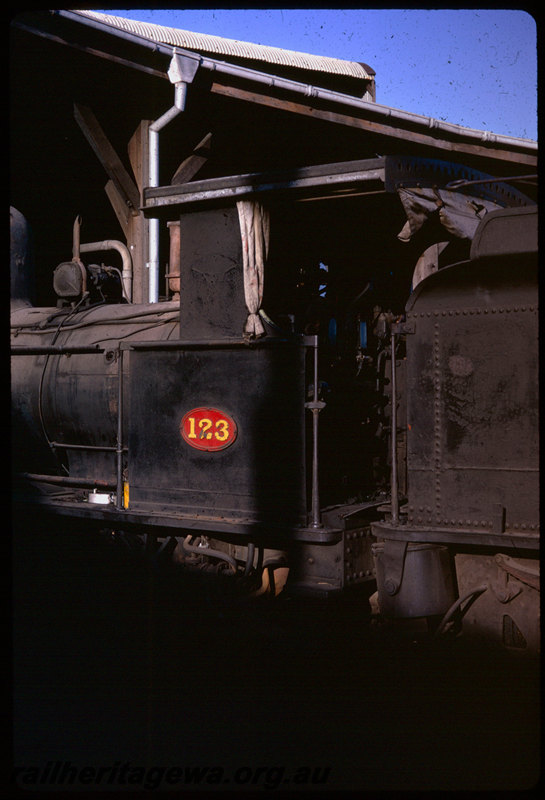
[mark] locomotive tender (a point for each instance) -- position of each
(299, 410)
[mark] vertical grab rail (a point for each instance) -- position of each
(119, 441)
(315, 406)
(393, 436)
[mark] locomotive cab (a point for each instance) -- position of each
(289, 408)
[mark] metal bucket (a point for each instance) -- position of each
(427, 587)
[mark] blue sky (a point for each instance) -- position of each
(472, 67)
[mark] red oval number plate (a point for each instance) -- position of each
(208, 429)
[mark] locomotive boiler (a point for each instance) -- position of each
(296, 412)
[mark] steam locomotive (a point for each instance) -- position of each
(299, 413)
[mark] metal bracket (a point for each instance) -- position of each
(524, 572)
(503, 590)
(182, 69)
(403, 327)
(318, 405)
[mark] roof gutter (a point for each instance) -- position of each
(374, 109)
(385, 113)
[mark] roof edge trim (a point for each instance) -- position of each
(386, 114)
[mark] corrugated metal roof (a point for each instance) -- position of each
(216, 45)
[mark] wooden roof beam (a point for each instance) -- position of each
(457, 146)
(107, 156)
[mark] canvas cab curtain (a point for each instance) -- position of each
(255, 232)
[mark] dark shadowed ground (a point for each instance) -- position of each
(127, 679)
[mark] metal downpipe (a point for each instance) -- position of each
(180, 92)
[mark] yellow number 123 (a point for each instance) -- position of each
(220, 432)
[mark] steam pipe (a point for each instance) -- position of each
(62, 480)
(76, 250)
(113, 244)
(76, 238)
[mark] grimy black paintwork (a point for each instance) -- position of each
(101, 389)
